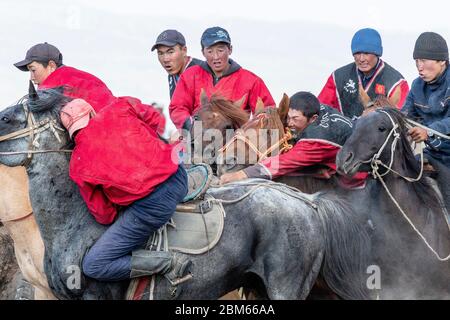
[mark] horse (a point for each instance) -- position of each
(212, 121)
(276, 252)
(368, 201)
(411, 235)
(263, 136)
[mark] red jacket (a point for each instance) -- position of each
(118, 157)
(80, 84)
(234, 85)
(305, 153)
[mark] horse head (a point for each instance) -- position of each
(27, 127)
(262, 136)
(378, 139)
(212, 120)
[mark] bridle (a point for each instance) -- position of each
(375, 162)
(282, 144)
(33, 130)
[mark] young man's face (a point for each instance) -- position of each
(429, 70)
(217, 57)
(38, 73)
(365, 61)
(297, 121)
(172, 58)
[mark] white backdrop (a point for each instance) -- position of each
(292, 45)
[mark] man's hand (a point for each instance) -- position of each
(418, 134)
(233, 176)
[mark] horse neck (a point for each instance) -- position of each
(424, 211)
(53, 195)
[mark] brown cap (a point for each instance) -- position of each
(41, 52)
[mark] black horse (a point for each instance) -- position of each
(275, 241)
(409, 268)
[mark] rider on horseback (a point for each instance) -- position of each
(429, 99)
(146, 179)
(45, 63)
(368, 76)
(217, 74)
(321, 131)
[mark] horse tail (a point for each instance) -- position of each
(347, 247)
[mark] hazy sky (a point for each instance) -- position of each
(291, 45)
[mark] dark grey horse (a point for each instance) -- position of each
(409, 269)
(274, 241)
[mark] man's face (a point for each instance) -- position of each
(38, 73)
(217, 57)
(429, 70)
(365, 61)
(297, 121)
(172, 58)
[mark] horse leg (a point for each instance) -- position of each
(29, 250)
(17, 217)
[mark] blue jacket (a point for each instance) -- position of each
(429, 104)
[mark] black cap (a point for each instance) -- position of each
(169, 38)
(41, 52)
(214, 35)
(432, 46)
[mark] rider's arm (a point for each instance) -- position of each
(98, 204)
(182, 103)
(147, 113)
(304, 154)
(400, 92)
(260, 90)
(328, 95)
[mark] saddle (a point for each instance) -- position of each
(195, 227)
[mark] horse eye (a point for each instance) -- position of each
(382, 129)
(5, 119)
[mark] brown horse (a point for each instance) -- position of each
(265, 135)
(215, 118)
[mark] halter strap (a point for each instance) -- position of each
(33, 130)
(375, 161)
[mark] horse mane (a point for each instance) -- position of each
(49, 100)
(347, 246)
(228, 110)
(411, 166)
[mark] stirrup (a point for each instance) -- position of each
(176, 275)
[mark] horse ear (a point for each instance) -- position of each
(283, 109)
(203, 97)
(32, 93)
(240, 102)
(259, 106)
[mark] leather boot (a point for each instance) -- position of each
(146, 263)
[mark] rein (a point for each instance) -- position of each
(33, 131)
(239, 136)
(375, 162)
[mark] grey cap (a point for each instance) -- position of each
(41, 52)
(169, 38)
(214, 35)
(432, 46)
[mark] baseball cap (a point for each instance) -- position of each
(169, 38)
(214, 35)
(41, 52)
